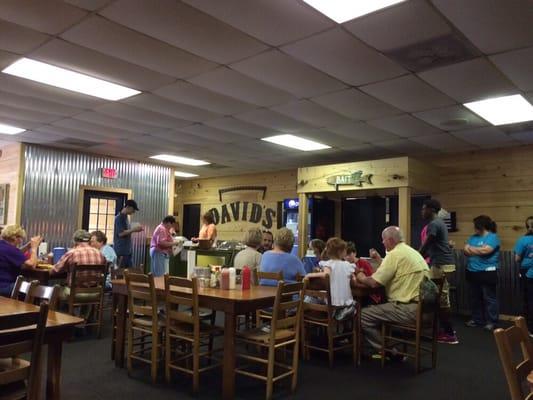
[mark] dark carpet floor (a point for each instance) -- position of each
(470, 370)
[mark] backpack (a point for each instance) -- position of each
(429, 293)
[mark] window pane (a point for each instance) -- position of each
(111, 207)
(109, 235)
(93, 220)
(103, 206)
(94, 205)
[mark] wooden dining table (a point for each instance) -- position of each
(230, 302)
(43, 275)
(59, 328)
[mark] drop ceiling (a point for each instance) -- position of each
(217, 76)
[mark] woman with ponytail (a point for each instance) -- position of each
(523, 255)
(483, 252)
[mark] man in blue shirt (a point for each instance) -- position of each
(524, 257)
(122, 234)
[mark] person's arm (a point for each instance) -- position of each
(34, 245)
(211, 232)
(367, 281)
(62, 263)
(430, 239)
(128, 232)
(323, 274)
(384, 274)
(375, 256)
(479, 251)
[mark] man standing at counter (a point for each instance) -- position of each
(122, 234)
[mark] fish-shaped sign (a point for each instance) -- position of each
(355, 179)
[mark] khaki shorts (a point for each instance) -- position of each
(440, 272)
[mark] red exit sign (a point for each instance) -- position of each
(109, 173)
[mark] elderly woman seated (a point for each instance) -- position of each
(250, 257)
(280, 259)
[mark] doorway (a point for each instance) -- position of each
(191, 220)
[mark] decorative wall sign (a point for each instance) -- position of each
(244, 211)
(354, 179)
(242, 188)
(4, 194)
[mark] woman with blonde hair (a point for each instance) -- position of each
(12, 260)
(250, 257)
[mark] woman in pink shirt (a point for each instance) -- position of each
(161, 246)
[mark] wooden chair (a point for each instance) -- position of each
(143, 322)
(20, 378)
(86, 290)
(425, 329)
(321, 315)
(22, 287)
(266, 314)
(508, 341)
(185, 332)
(283, 333)
(40, 293)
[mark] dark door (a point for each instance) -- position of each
(99, 211)
(191, 220)
(322, 219)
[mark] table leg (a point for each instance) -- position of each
(53, 376)
(120, 330)
(228, 372)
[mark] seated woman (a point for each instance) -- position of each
(281, 259)
(250, 256)
(318, 247)
(12, 260)
(341, 274)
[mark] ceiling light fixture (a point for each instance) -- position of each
(180, 160)
(345, 10)
(181, 174)
(296, 142)
(10, 130)
(63, 78)
(503, 110)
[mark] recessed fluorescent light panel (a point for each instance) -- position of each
(296, 142)
(345, 10)
(10, 130)
(503, 110)
(66, 79)
(179, 160)
(181, 174)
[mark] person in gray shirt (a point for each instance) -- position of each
(442, 263)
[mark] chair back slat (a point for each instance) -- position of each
(142, 298)
(320, 289)
(22, 287)
(287, 307)
(181, 301)
(274, 276)
(40, 293)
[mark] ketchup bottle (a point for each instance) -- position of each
(224, 279)
(246, 275)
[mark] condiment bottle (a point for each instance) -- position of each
(232, 277)
(246, 277)
(224, 279)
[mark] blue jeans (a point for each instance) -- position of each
(124, 261)
(158, 262)
(484, 302)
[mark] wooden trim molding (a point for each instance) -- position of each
(81, 195)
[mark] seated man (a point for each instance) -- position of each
(401, 272)
(99, 242)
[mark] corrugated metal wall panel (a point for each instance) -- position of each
(52, 185)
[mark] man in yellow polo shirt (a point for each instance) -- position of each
(400, 272)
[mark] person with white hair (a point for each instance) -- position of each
(401, 272)
(250, 257)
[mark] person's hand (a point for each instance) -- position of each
(374, 254)
(35, 241)
(138, 228)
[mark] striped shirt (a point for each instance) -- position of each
(82, 254)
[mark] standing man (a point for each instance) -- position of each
(122, 234)
(442, 262)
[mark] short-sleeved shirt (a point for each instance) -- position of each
(208, 232)
(524, 249)
(489, 262)
(339, 281)
(287, 263)
(439, 252)
(122, 245)
(11, 262)
(161, 234)
(249, 257)
(109, 254)
(401, 273)
(82, 254)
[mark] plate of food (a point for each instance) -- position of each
(44, 266)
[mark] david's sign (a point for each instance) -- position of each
(244, 211)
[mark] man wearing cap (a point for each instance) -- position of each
(122, 234)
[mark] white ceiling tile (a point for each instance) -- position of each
(94, 128)
(517, 66)
(271, 119)
(241, 127)
(405, 126)
(72, 133)
(173, 137)
(26, 114)
(363, 132)
(114, 122)
(6, 59)
(12, 120)
(50, 17)
(90, 62)
(90, 5)
(35, 104)
(325, 136)
(234, 84)
(272, 21)
(213, 134)
(311, 113)
(118, 41)
(177, 110)
(444, 142)
(354, 104)
(486, 138)
(185, 27)
(286, 73)
(525, 137)
(131, 113)
(405, 146)
(470, 80)
(451, 118)
(343, 56)
(197, 96)
(407, 23)
(17, 39)
(493, 26)
(408, 93)
(38, 137)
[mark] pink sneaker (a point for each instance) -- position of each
(447, 338)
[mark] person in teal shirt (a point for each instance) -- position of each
(523, 251)
(483, 252)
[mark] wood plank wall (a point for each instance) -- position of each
(498, 183)
(10, 170)
(280, 185)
